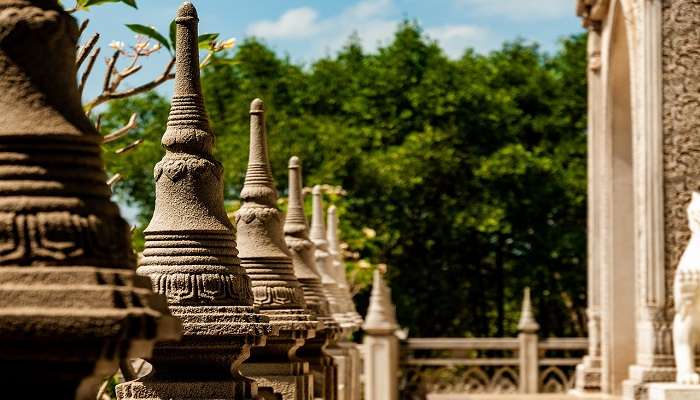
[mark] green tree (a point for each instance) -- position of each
(466, 177)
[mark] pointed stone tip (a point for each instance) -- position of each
(294, 162)
(316, 190)
(187, 10)
(331, 210)
(257, 106)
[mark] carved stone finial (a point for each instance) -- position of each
(301, 248)
(190, 252)
(303, 258)
(381, 315)
(339, 268)
(70, 303)
(267, 260)
(324, 261)
(527, 322)
(260, 236)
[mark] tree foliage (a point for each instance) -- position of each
(466, 177)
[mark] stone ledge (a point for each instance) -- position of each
(673, 391)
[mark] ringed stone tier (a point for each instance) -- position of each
(191, 256)
(297, 237)
(324, 263)
(71, 305)
(339, 267)
(276, 289)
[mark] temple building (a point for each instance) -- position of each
(643, 141)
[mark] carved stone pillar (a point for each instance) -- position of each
(381, 344)
(276, 289)
(302, 249)
(191, 254)
(588, 373)
(71, 305)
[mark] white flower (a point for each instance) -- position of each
(117, 45)
(228, 44)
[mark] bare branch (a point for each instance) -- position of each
(83, 26)
(112, 182)
(107, 95)
(98, 123)
(121, 132)
(86, 49)
(129, 147)
(88, 70)
(110, 71)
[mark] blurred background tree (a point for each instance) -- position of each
(466, 177)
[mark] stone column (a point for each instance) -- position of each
(276, 289)
(528, 353)
(381, 344)
(588, 373)
(191, 254)
(297, 237)
(347, 348)
(71, 304)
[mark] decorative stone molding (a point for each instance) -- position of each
(592, 12)
(71, 305)
(276, 289)
(302, 249)
(191, 254)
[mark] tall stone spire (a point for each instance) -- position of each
(297, 236)
(527, 322)
(381, 315)
(339, 268)
(267, 260)
(70, 303)
(324, 262)
(190, 253)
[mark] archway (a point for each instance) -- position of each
(621, 292)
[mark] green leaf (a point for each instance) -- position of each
(173, 34)
(151, 33)
(205, 39)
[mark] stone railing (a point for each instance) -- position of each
(487, 365)
(524, 364)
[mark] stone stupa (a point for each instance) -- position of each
(297, 237)
(348, 304)
(276, 289)
(71, 305)
(324, 263)
(191, 256)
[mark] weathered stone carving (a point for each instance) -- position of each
(686, 293)
(71, 305)
(297, 237)
(339, 268)
(276, 289)
(191, 254)
(324, 263)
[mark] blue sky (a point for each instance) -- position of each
(308, 29)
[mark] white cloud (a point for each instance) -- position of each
(454, 39)
(374, 21)
(296, 23)
(522, 10)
